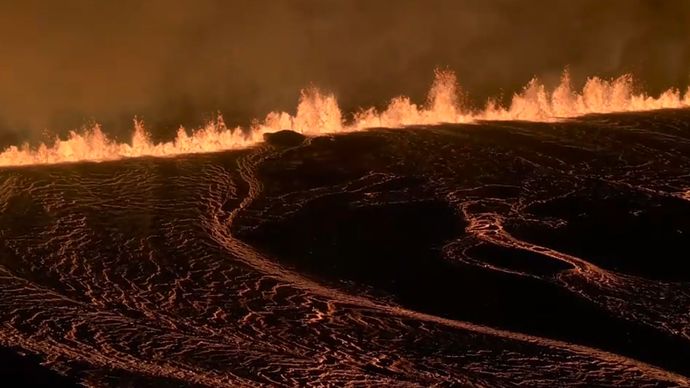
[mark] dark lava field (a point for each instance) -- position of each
(493, 254)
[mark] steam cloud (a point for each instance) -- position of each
(68, 62)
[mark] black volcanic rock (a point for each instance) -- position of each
(27, 371)
(284, 138)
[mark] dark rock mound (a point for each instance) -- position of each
(284, 138)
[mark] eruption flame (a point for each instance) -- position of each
(319, 113)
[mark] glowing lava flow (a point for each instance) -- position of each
(319, 113)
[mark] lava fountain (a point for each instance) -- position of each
(318, 113)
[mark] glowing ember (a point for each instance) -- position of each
(319, 113)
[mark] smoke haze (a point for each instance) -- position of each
(65, 63)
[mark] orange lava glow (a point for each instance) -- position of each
(319, 113)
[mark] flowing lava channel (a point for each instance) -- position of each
(319, 113)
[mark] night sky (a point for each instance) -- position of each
(65, 63)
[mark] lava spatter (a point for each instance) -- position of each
(318, 113)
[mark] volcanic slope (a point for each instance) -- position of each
(485, 254)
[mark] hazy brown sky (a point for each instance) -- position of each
(64, 62)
